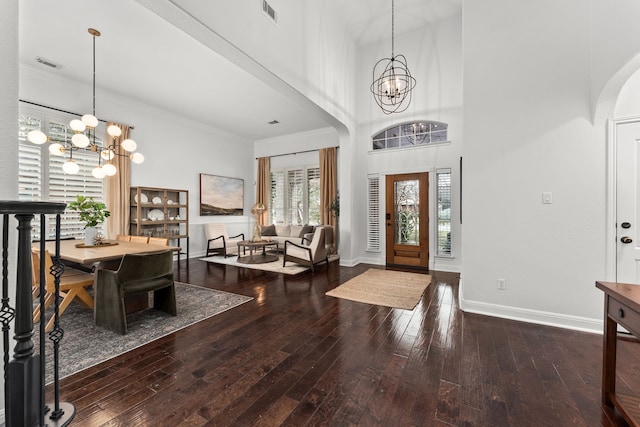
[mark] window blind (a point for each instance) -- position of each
(295, 197)
(41, 177)
(373, 213)
(276, 214)
(443, 233)
(313, 196)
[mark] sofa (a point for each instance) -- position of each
(282, 233)
(300, 234)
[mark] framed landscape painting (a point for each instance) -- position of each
(220, 195)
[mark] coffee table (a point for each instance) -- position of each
(253, 246)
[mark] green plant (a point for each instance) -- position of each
(334, 206)
(91, 212)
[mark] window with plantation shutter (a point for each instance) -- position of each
(373, 213)
(295, 196)
(313, 196)
(443, 214)
(41, 177)
(276, 205)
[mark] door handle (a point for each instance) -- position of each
(626, 240)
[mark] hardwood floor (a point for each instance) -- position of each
(293, 356)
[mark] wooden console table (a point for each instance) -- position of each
(621, 306)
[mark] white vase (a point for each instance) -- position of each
(90, 236)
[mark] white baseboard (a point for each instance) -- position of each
(577, 323)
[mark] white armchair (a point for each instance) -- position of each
(218, 241)
(309, 255)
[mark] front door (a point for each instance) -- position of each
(407, 220)
(628, 201)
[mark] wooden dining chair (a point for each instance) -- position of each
(123, 238)
(73, 285)
(158, 241)
(139, 239)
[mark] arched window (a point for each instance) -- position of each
(410, 135)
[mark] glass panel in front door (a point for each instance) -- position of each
(407, 212)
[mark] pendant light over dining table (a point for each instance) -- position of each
(84, 138)
(392, 80)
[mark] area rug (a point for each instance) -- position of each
(85, 344)
(275, 266)
(396, 289)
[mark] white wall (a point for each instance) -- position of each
(434, 57)
(615, 53)
(628, 102)
(527, 114)
(308, 56)
(176, 149)
(9, 133)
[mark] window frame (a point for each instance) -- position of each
(397, 137)
(283, 215)
(444, 195)
(54, 184)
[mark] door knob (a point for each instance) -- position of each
(626, 239)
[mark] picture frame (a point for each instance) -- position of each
(221, 195)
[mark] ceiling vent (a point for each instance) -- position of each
(48, 63)
(269, 11)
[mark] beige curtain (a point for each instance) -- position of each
(117, 189)
(263, 187)
(328, 184)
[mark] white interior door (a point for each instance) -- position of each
(628, 202)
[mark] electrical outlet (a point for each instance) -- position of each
(502, 284)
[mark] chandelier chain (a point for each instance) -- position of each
(392, 27)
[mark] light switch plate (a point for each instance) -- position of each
(547, 198)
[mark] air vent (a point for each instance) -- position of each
(48, 63)
(269, 11)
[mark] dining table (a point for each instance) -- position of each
(107, 255)
(75, 251)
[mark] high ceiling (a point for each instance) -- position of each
(157, 64)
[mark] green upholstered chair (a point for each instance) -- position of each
(138, 273)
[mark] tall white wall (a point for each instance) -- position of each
(308, 56)
(176, 149)
(628, 102)
(434, 56)
(527, 115)
(9, 130)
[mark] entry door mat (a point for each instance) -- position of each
(396, 289)
(84, 344)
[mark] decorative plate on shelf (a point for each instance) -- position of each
(143, 198)
(169, 202)
(155, 215)
(157, 201)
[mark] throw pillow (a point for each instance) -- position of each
(306, 229)
(268, 230)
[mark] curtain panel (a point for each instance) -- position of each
(263, 187)
(117, 188)
(328, 184)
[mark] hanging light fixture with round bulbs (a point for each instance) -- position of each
(84, 138)
(392, 80)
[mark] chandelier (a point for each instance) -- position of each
(392, 80)
(84, 138)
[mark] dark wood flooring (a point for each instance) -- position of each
(294, 357)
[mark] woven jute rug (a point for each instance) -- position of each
(396, 289)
